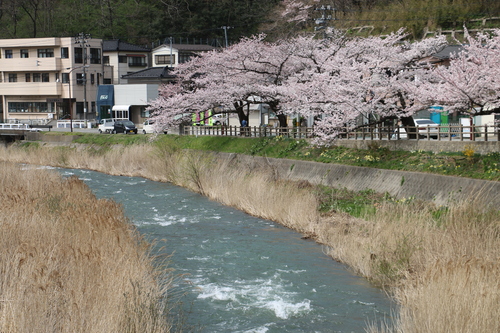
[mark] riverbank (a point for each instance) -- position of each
(412, 248)
(71, 262)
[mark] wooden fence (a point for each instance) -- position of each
(249, 131)
(440, 132)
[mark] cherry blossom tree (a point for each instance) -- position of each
(334, 80)
(231, 80)
(470, 82)
(350, 79)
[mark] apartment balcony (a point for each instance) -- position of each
(31, 88)
(30, 64)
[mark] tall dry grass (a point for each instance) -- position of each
(440, 265)
(441, 268)
(71, 262)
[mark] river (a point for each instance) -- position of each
(243, 274)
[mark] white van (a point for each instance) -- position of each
(148, 128)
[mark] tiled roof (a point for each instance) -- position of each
(150, 73)
(118, 45)
(189, 47)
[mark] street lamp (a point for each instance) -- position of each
(69, 89)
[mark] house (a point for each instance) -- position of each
(174, 54)
(123, 58)
(49, 78)
(131, 92)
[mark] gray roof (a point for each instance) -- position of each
(446, 52)
(151, 73)
(118, 45)
(190, 47)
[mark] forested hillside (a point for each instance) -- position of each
(149, 21)
(136, 21)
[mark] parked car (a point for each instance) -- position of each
(425, 127)
(124, 126)
(148, 127)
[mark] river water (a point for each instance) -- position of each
(243, 274)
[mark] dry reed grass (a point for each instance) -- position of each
(441, 268)
(71, 262)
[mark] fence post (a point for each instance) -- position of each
(485, 132)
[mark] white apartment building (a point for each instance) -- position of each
(49, 78)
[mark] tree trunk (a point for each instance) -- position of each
(409, 125)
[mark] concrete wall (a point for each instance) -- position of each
(399, 184)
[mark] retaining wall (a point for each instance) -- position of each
(399, 184)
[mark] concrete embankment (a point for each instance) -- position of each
(399, 184)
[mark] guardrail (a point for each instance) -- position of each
(441, 132)
(23, 127)
(72, 123)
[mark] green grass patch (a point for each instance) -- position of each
(358, 204)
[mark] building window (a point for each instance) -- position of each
(57, 77)
(27, 77)
(65, 77)
(45, 53)
(8, 54)
(64, 53)
(106, 81)
(164, 59)
(45, 77)
(145, 113)
(37, 77)
(122, 59)
(16, 107)
(95, 56)
(137, 61)
(12, 77)
(79, 107)
(25, 53)
(78, 55)
(185, 57)
(80, 79)
(92, 78)
(105, 59)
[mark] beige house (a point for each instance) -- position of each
(49, 78)
(122, 58)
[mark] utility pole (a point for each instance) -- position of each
(171, 56)
(82, 39)
(225, 33)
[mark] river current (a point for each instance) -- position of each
(241, 273)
